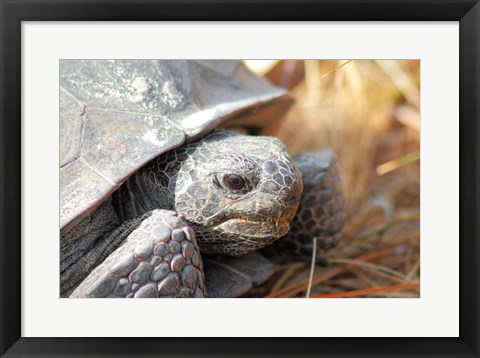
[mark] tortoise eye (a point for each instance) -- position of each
(234, 181)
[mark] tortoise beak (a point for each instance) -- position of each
(255, 229)
(265, 216)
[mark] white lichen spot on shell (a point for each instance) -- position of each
(153, 137)
(140, 87)
(171, 96)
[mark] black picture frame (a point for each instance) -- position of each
(13, 12)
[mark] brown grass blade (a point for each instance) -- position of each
(301, 285)
(368, 291)
(335, 69)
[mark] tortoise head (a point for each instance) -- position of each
(238, 192)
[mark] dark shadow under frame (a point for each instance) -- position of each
(467, 12)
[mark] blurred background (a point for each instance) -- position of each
(368, 111)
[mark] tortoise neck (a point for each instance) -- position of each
(139, 195)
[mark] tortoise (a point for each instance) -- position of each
(159, 197)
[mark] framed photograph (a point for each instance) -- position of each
(307, 171)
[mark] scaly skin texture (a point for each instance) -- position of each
(191, 181)
(321, 214)
(238, 193)
(159, 259)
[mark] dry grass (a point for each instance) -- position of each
(368, 112)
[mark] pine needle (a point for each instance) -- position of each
(369, 291)
(286, 275)
(371, 266)
(301, 285)
(312, 266)
(397, 163)
(335, 69)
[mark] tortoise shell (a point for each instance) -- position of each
(117, 115)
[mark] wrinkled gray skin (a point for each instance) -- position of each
(136, 250)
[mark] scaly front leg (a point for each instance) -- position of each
(160, 258)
